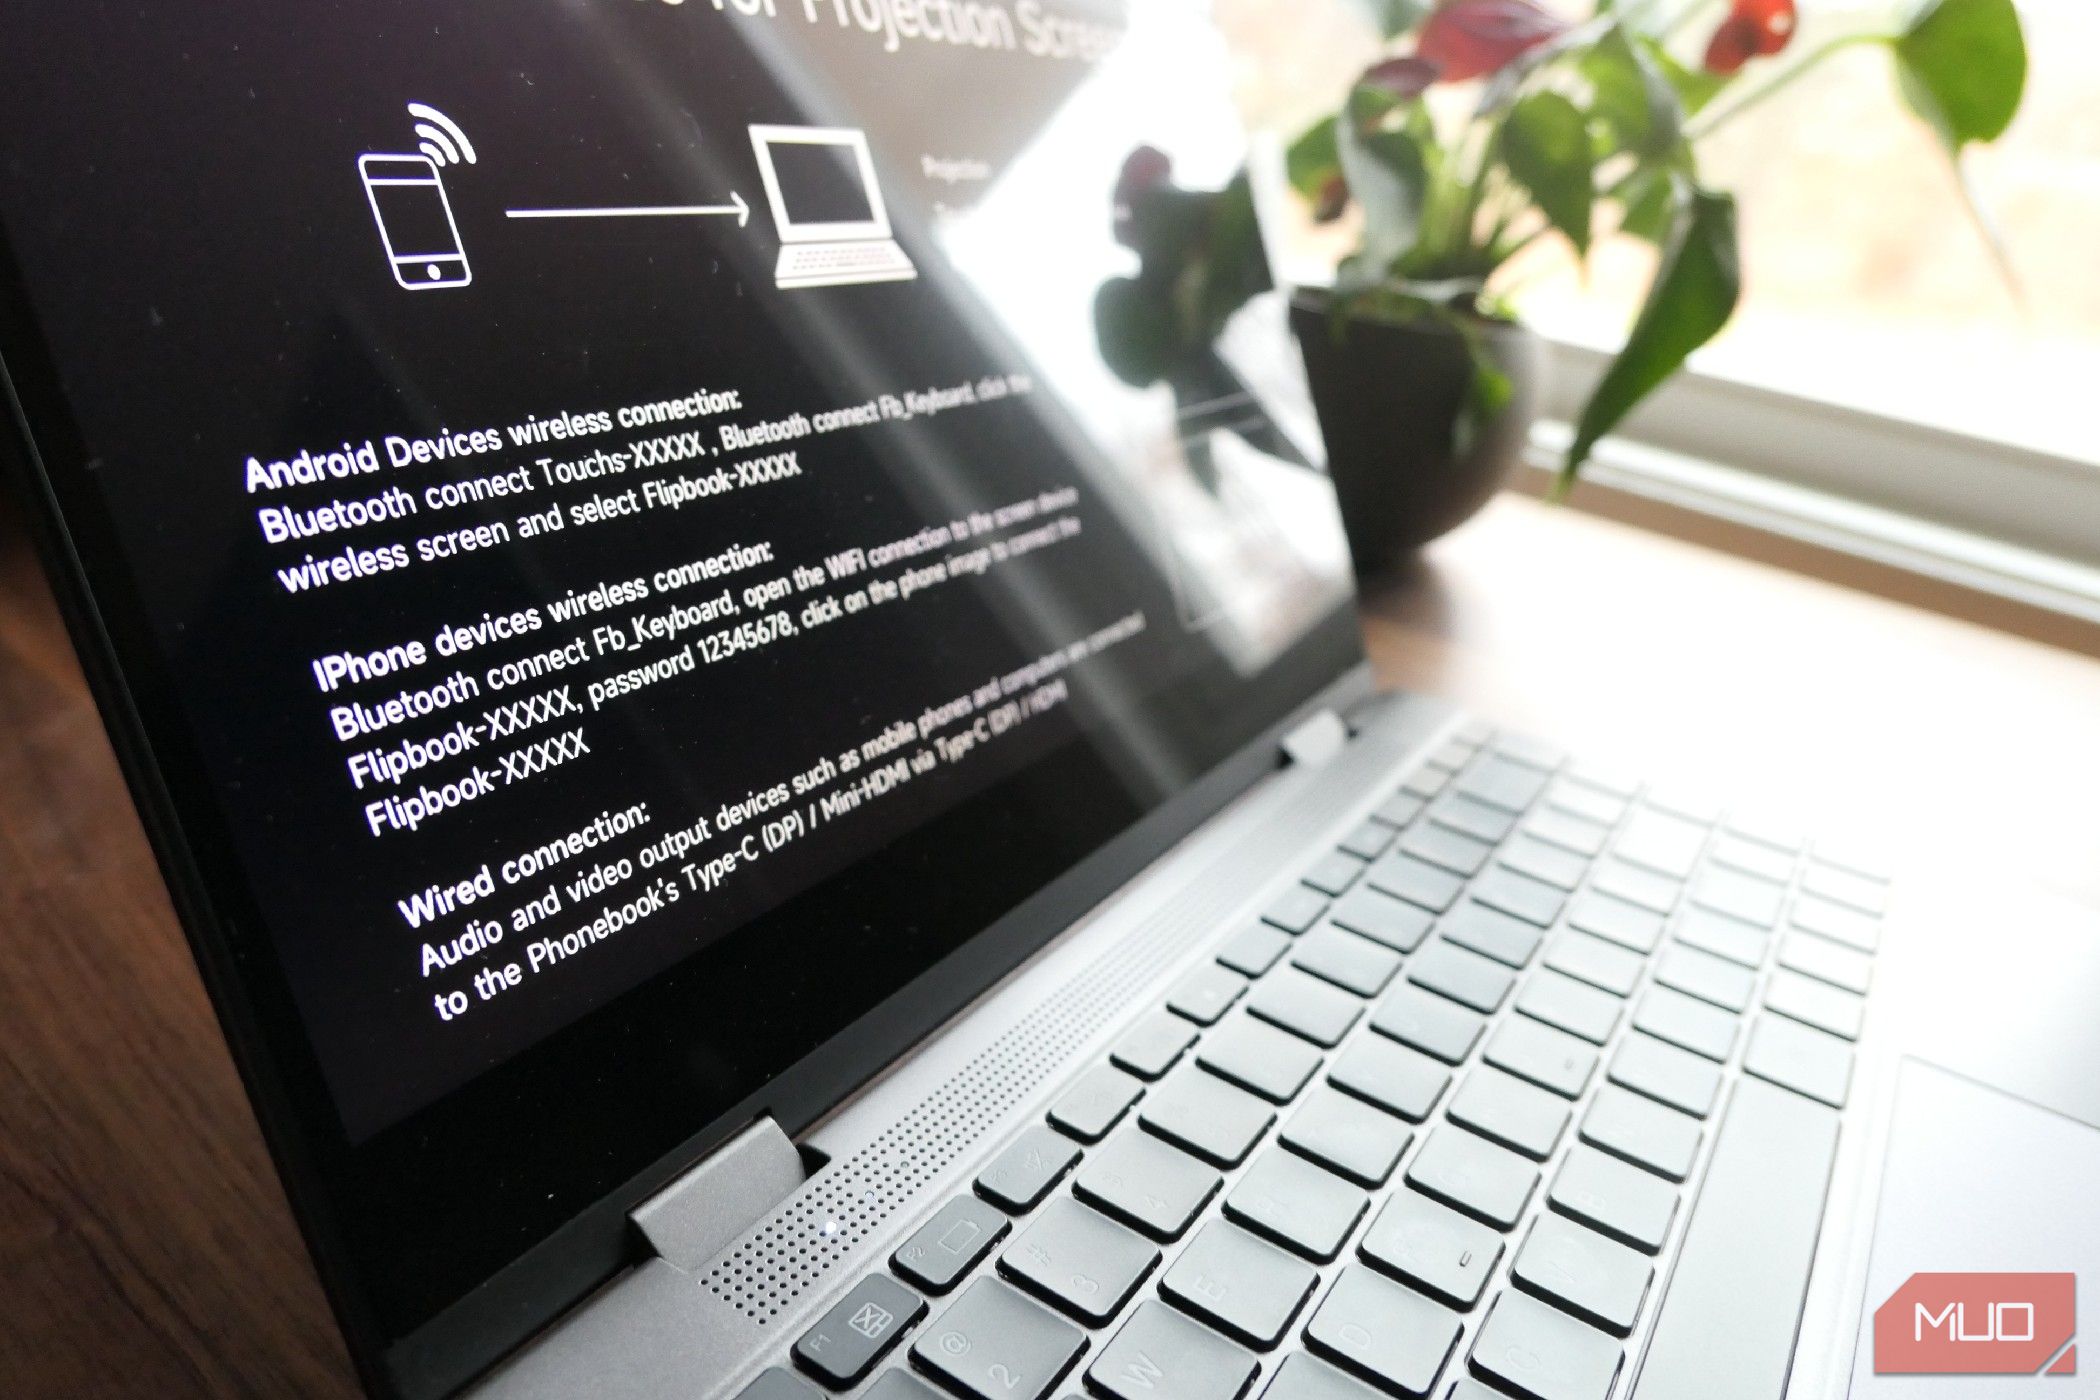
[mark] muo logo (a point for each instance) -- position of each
(1978, 1324)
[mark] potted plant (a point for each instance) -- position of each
(1424, 382)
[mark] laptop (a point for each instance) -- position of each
(827, 207)
(773, 846)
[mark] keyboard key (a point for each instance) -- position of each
(1797, 1057)
(1254, 949)
(1471, 1174)
(1331, 875)
(1432, 1247)
(1392, 1077)
(1025, 1170)
(1865, 893)
(1827, 961)
(1686, 1022)
(994, 1344)
(1399, 809)
(1454, 753)
(1300, 1377)
(1383, 918)
(1369, 841)
(1161, 1355)
(1206, 994)
(1559, 868)
(1644, 1133)
(1533, 901)
(1295, 910)
(1390, 1335)
(1587, 800)
(1429, 1023)
(1606, 1194)
(1447, 849)
(1096, 1103)
(1627, 925)
(1348, 1136)
(1305, 1006)
(1568, 831)
(1723, 936)
(1767, 830)
(1520, 1116)
(1816, 1003)
(1197, 1110)
(1666, 1074)
(1472, 817)
(1725, 984)
(1352, 963)
(1742, 1272)
(1604, 777)
(1752, 857)
(1426, 781)
(900, 1384)
(1535, 1350)
(1605, 965)
(948, 1246)
(1601, 1282)
(1489, 931)
(1538, 753)
(1573, 1006)
(1660, 842)
(1464, 977)
(1746, 897)
(1146, 1184)
(1150, 1048)
(1847, 926)
(1259, 1058)
(1548, 1058)
(1248, 1289)
(1416, 882)
(1700, 807)
(779, 1383)
(1506, 784)
(1078, 1261)
(1636, 885)
(1300, 1206)
(847, 1341)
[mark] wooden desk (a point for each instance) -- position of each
(145, 1248)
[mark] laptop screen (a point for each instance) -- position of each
(587, 660)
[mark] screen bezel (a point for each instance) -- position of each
(134, 692)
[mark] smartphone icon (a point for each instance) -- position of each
(415, 221)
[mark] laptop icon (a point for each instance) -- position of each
(820, 183)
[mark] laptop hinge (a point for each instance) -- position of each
(727, 1192)
(1316, 740)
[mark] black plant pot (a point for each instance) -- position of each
(1389, 395)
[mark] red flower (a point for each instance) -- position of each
(1753, 29)
(1472, 38)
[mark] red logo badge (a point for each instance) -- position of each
(1978, 1324)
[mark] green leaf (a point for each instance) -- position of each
(1388, 171)
(1546, 145)
(1396, 17)
(1313, 159)
(1695, 87)
(1135, 327)
(1629, 96)
(1648, 198)
(1962, 65)
(1694, 293)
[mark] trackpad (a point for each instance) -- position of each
(1977, 1181)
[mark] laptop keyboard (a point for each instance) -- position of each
(1424, 1123)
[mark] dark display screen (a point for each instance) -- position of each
(595, 660)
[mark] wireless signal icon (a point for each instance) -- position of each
(409, 206)
(440, 136)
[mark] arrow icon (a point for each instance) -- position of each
(736, 206)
